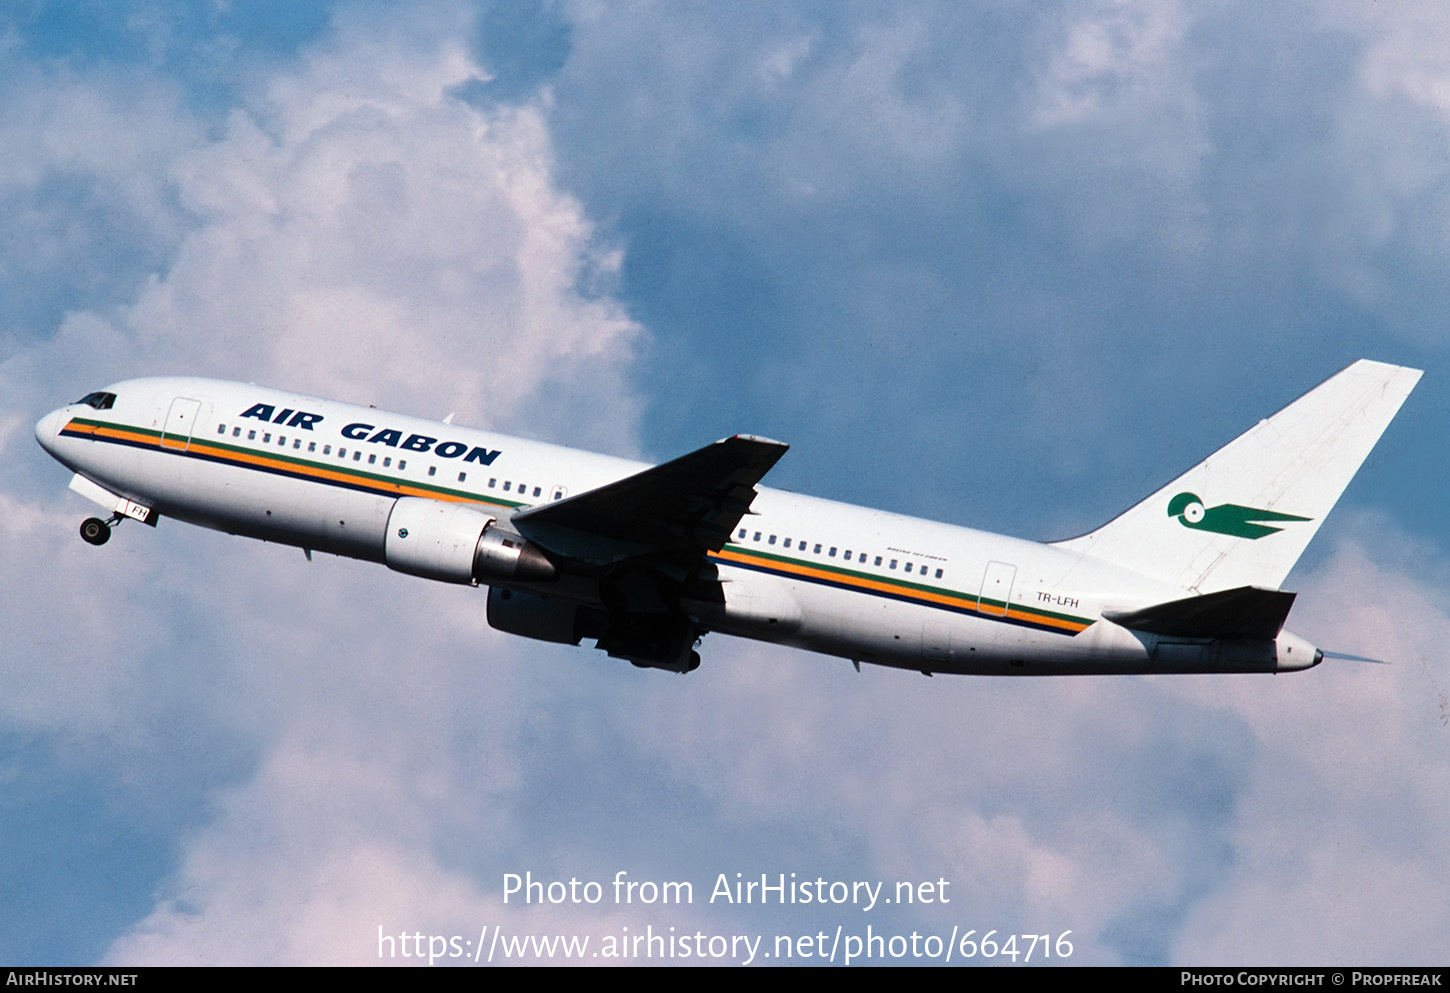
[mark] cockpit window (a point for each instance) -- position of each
(101, 401)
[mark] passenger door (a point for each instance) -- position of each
(180, 422)
(996, 589)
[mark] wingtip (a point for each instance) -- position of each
(1390, 371)
(757, 440)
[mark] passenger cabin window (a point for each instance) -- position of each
(236, 432)
(462, 476)
(938, 574)
(221, 429)
(101, 401)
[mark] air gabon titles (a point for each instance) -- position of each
(391, 437)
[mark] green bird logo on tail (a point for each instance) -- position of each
(1226, 518)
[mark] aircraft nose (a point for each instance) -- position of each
(47, 429)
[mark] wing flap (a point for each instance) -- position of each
(688, 505)
(1246, 612)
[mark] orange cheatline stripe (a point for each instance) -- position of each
(863, 582)
(300, 468)
(318, 472)
(309, 469)
(1045, 620)
(946, 599)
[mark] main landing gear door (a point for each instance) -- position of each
(180, 423)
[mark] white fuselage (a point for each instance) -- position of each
(847, 581)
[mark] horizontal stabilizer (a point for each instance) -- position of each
(1247, 612)
(689, 505)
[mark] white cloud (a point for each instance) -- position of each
(1115, 127)
(119, 129)
(1194, 819)
(367, 235)
(1404, 53)
(1337, 839)
(84, 188)
(1116, 55)
(356, 231)
(1377, 194)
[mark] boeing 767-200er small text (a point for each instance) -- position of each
(645, 560)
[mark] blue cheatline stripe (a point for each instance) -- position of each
(304, 470)
(277, 464)
(923, 596)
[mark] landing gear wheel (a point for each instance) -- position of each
(95, 531)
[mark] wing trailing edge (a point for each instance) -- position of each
(688, 505)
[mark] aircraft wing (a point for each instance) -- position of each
(1246, 612)
(688, 505)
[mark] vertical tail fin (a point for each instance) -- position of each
(1244, 515)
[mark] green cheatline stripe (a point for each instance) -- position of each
(835, 570)
(338, 468)
(892, 580)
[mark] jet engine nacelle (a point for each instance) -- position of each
(458, 543)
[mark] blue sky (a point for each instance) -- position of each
(1006, 265)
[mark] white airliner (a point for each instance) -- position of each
(645, 560)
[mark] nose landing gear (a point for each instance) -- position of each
(96, 531)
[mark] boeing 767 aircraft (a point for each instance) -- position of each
(645, 560)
